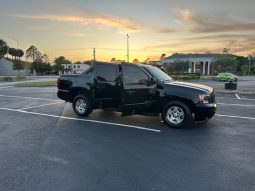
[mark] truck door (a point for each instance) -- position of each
(138, 91)
(107, 88)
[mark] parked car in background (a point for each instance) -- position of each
(227, 77)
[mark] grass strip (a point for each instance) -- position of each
(37, 84)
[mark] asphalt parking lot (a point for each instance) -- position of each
(45, 146)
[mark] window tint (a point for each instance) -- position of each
(106, 73)
(133, 75)
(89, 71)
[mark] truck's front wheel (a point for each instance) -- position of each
(177, 114)
(82, 105)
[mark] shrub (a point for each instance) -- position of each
(8, 79)
(185, 76)
(17, 78)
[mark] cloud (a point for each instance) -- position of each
(189, 17)
(238, 43)
(166, 30)
(95, 20)
(116, 22)
(202, 24)
(72, 34)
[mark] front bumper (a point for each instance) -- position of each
(204, 111)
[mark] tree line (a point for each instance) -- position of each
(228, 62)
(39, 64)
(225, 62)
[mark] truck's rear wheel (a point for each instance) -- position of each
(177, 114)
(82, 105)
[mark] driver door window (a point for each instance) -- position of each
(133, 75)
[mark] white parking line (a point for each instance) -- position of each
(42, 105)
(77, 119)
(232, 104)
(29, 98)
(235, 116)
(6, 87)
(237, 96)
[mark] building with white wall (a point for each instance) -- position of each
(74, 68)
(198, 63)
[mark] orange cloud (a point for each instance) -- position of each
(100, 19)
(116, 22)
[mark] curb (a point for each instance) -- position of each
(34, 86)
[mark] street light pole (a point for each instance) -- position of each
(94, 54)
(127, 48)
(249, 58)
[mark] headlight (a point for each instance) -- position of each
(204, 98)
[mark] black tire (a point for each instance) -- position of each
(82, 105)
(184, 115)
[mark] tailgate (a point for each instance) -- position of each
(66, 81)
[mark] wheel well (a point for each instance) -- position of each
(188, 102)
(80, 91)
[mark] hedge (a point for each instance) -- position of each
(185, 76)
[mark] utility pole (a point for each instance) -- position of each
(127, 48)
(249, 58)
(94, 54)
(26, 63)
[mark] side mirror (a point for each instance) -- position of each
(153, 81)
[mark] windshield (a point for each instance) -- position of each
(157, 73)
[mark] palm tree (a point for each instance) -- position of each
(3, 48)
(12, 52)
(19, 53)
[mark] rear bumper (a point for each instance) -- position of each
(204, 111)
(64, 95)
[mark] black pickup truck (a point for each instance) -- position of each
(137, 89)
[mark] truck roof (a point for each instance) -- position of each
(110, 63)
(98, 62)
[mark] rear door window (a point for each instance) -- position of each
(106, 73)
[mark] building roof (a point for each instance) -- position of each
(186, 56)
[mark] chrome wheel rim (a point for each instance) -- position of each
(81, 106)
(175, 115)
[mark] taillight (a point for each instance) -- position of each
(58, 83)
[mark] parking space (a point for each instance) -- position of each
(45, 146)
(236, 106)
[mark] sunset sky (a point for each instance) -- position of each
(73, 28)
